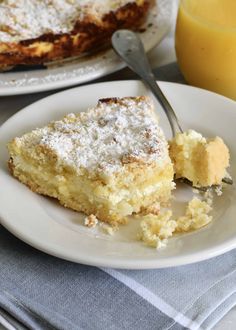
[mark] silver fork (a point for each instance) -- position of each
(129, 47)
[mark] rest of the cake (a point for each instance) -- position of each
(111, 161)
(35, 32)
(202, 161)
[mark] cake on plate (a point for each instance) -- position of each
(202, 161)
(111, 161)
(35, 32)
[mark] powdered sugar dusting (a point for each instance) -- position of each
(107, 137)
(27, 19)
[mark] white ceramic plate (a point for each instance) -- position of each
(84, 69)
(46, 225)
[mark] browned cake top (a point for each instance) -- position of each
(28, 19)
(115, 133)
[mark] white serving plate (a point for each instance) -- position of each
(46, 225)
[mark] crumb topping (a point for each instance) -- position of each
(106, 138)
(91, 221)
(27, 19)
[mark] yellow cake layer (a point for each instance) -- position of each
(200, 160)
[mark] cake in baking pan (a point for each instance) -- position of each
(39, 31)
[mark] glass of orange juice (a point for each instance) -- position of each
(206, 44)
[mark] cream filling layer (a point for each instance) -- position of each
(119, 201)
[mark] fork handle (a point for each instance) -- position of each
(130, 48)
(153, 85)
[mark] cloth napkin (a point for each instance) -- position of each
(41, 292)
(44, 292)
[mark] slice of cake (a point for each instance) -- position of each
(202, 161)
(110, 161)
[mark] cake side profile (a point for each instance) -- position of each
(202, 161)
(111, 161)
(36, 32)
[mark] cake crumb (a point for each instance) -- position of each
(155, 229)
(152, 209)
(218, 190)
(91, 221)
(195, 191)
(208, 196)
(109, 230)
(196, 216)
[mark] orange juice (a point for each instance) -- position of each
(206, 44)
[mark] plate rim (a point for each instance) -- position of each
(129, 265)
(112, 262)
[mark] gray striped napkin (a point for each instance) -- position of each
(42, 292)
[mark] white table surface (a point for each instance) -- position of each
(161, 55)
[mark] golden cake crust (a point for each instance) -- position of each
(86, 36)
